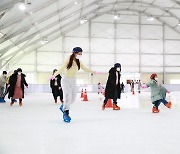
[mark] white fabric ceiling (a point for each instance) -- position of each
(21, 31)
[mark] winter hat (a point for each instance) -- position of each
(4, 72)
(77, 49)
(153, 76)
(19, 70)
(117, 65)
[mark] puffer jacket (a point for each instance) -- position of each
(156, 90)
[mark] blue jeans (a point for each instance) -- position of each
(158, 102)
(114, 99)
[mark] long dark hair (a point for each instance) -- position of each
(72, 57)
(54, 71)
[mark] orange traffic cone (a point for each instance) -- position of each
(85, 96)
(109, 104)
(81, 93)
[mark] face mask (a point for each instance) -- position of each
(5, 74)
(118, 69)
(78, 56)
(19, 73)
(156, 79)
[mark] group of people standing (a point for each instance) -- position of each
(133, 85)
(14, 86)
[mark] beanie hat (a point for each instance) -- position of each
(153, 76)
(117, 65)
(77, 49)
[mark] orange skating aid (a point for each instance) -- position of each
(81, 93)
(109, 104)
(85, 98)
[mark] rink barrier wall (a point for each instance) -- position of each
(45, 88)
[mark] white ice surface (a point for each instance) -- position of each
(37, 127)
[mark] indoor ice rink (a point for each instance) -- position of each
(143, 36)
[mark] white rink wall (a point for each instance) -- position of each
(91, 88)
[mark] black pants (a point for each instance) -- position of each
(114, 99)
(57, 92)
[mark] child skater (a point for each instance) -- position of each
(55, 85)
(70, 68)
(100, 88)
(158, 93)
(113, 90)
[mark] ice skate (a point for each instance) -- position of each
(66, 116)
(20, 103)
(168, 105)
(11, 103)
(155, 110)
(115, 107)
(61, 108)
(2, 100)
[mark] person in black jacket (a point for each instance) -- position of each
(113, 90)
(55, 85)
(16, 89)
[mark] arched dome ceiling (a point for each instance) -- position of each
(46, 20)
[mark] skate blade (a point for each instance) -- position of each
(67, 121)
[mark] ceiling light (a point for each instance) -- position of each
(178, 23)
(150, 18)
(28, 2)
(45, 40)
(75, 3)
(116, 17)
(42, 42)
(83, 20)
(22, 6)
